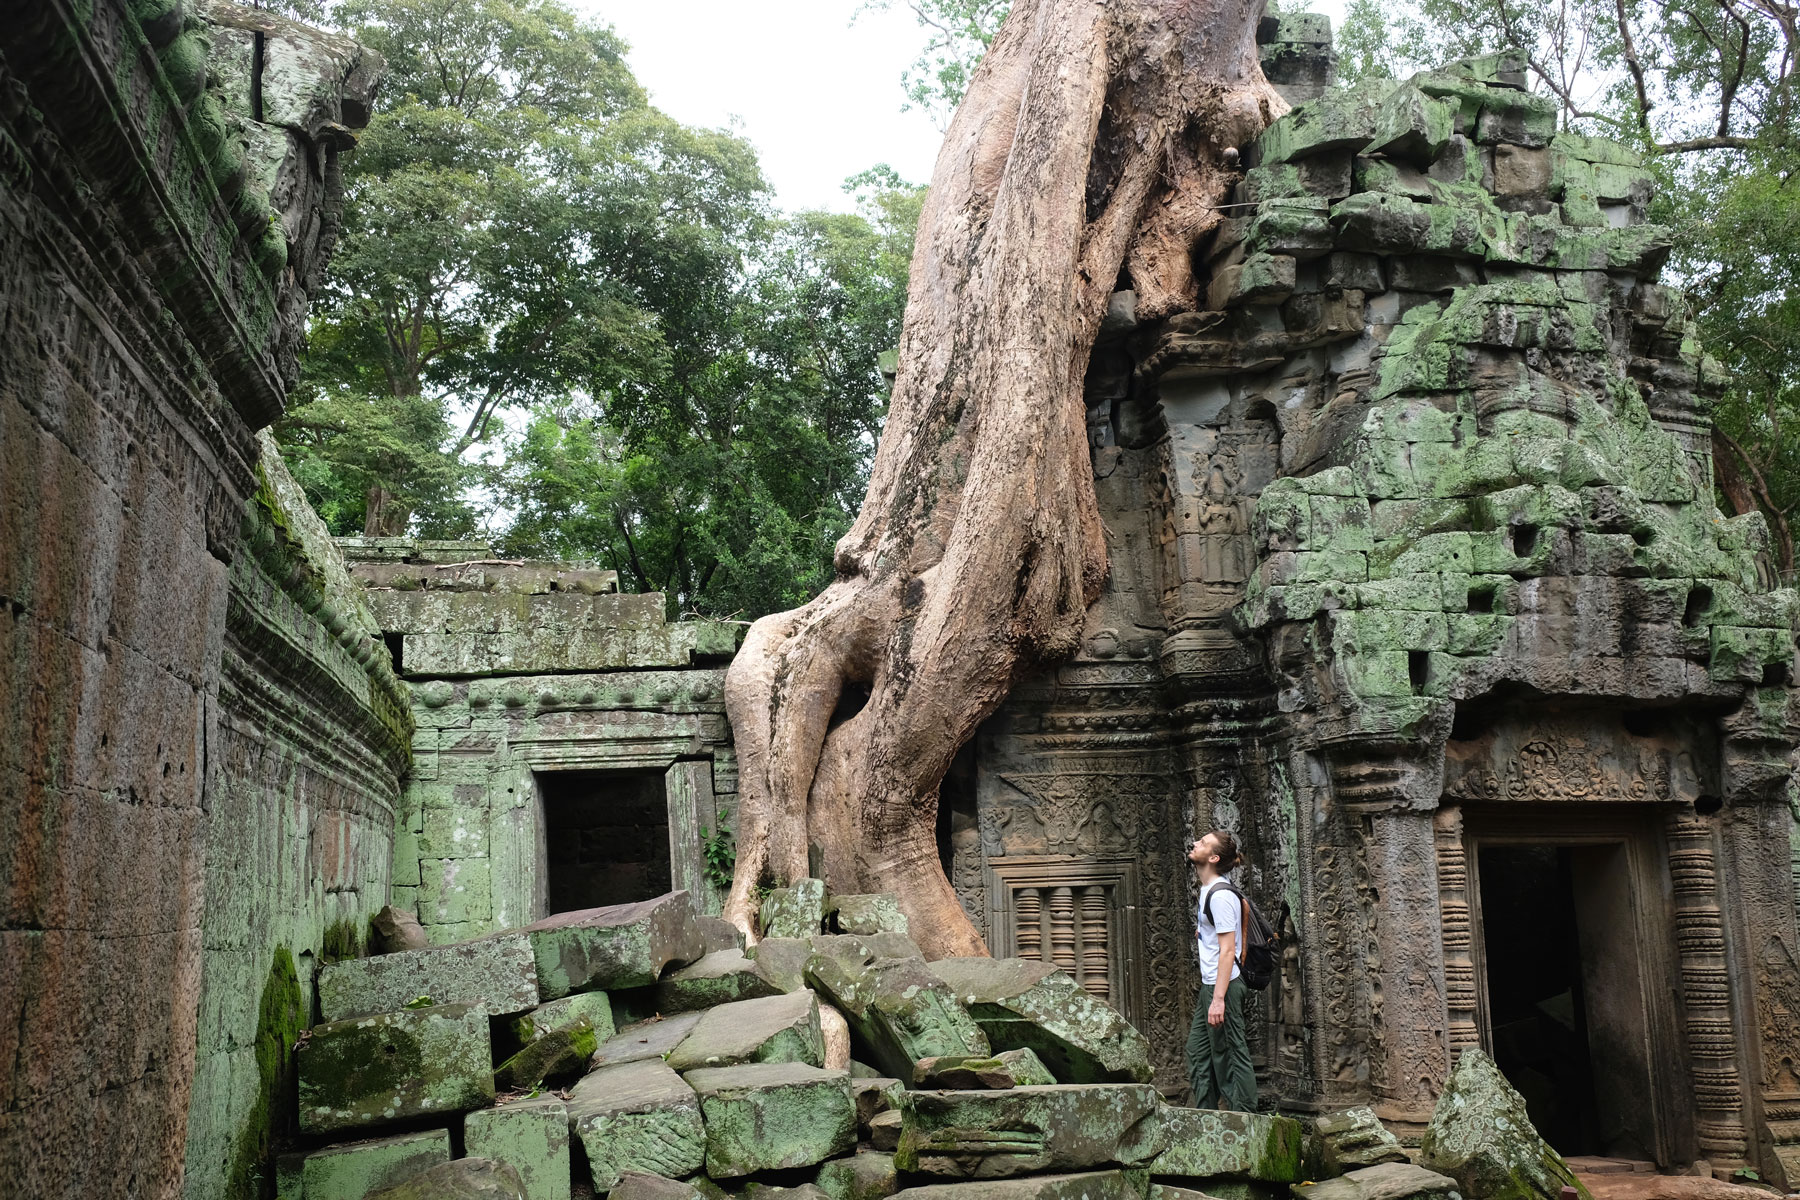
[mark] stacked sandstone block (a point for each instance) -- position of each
(641, 1051)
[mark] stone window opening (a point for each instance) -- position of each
(605, 838)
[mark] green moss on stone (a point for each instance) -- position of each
(279, 1022)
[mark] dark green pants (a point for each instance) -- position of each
(1218, 1057)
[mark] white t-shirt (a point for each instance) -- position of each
(1227, 916)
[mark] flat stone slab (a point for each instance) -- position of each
(782, 961)
(1387, 1181)
(1009, 1068)
(354, 1169)
(716, 933)
(376, 1070)
(794, 912)
(638, 1116)
(1019, 1131)
(774, 1028)
(634, 1185)
(899, 1010)
(1205, 1143)
(499, 973)
(871, 912)
(866, 1175)
(772, 1116)
(1089, 1185)
(593, 1007)
(718, 978)
(1024, 1004)
(531, 1136)
(622, 946)
(1355, 1138)
(460, 1179)
(646, 1039)
(559, 1054)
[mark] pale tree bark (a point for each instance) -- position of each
(1093, 141)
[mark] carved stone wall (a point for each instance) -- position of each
(160, 233)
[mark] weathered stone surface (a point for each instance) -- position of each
(884, 1130)
(778, 1028)
(1352, 1139)
(1019, 1131)
(635, 1185)
(782, 961)
(1023, 1004)
(654, 1038)
(757, 1190)
(1387, 1181)
(716, 933)
(717, 978)
(1164, 1191)
(1481, 1137)
(875, 1094)
(624, 946)
(462, 1179)
(497, 973)
(871, 912)
(593, 1007)
(641, 1117)
(1209, 1143)
(354, 1169)
(396, 929)
(376, 1070)
(559, 1054)
(866, 1175)
(836, 1031)
(897, 1008)
(531, 1136)
(1009, 1068)
(794, 912)
(769, 1116)
(1090, 1185)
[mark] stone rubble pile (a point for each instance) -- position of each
(642, 1051)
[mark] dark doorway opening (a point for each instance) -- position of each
(1566, 1013)
(606, 837)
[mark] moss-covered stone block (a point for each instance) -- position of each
(455, 891)
(371, 1071)
(1352, 1139)
(1412, 126)
(559, 1054)
(1206, 1143)
(873, 912)
(866, 1175)
(1022, 1131)
(782, 961)
(1009, 1068)
(531, 1136)
(898, 1009)
(593, 1007)
(498, 973)
(639, 1116)
(354, 1169)
(1339, 120)
(1388, 1181)
(604, 949)
(796, 911)
(1091, 1185)
(717, 978)
(772, 1116)
(1023, 1004)
(654, 1038)
(460, 1179)
(778, 1028)
(1481, 1137)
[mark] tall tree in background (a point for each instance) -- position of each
(1096, 139)
(1706, 91)
(958, 33)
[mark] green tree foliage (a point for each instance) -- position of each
(957, 35)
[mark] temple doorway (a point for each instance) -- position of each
(605, 838)
(1566, 926)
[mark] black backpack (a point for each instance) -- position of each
(1257, 966)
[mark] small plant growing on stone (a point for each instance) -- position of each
(720, 849)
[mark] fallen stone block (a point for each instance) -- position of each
(771, 1116)
(757, 1190)
(782, 961)
(875, 1094)
(396, 929)
(1206, 1143)
(634, 1185)
(1388, 1181)
(794, 912)
(1009, 1068)
(654, 1038)
(377, 1070)
(866, 1175)
(1481, 1137)
(1021, 1004)
(638, 1116)
(873, 912)
(622, 946)
(898, 1010)
(592, 1007)
(1352, 1139)
(354, 1169)
(716, 933)
(461, 1179)
(559, 1054)
(1165, 1191)
(717, 978)
(1089, 1185)
(1020, 1131)
(778, 1028)
(884, 1130)
(498, 973)
(531, 1136)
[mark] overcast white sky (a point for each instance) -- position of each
(817, 95)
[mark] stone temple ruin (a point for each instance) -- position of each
(1418, 585)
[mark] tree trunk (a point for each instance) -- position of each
(1092, 141)
(384, 513)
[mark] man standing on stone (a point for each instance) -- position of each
(1218, 1052)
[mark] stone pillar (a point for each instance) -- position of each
(1460, 1000)
(688, 786)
